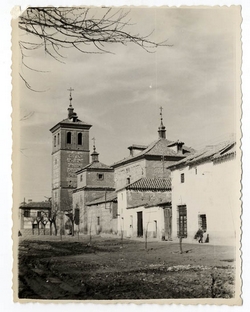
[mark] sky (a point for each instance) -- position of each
(194, 80)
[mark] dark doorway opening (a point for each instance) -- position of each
(139, 224)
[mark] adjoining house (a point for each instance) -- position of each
(102, 215)
(206, 194)
(34, 217)
(144, 208)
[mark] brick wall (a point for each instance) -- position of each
(79, 201)
(136, 198)
(94, 179)
(154, 169)
(134, 171)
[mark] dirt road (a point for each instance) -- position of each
(110, 269)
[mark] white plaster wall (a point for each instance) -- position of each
(121, 210)
(151, 217)
(212, 190)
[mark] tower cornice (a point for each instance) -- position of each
(70, 125)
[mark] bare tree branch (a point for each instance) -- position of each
(60, 28)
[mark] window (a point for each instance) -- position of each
(182, 178)
(114, 210)
(79, 139)
(26, 213)
(182, 221)
(98, 220)
(68, 137)
(196, 170)
(39, 214)
(100, 176)
(128, 180)
(58, 138)
(202, 221)
(55, 141)
(81, 178)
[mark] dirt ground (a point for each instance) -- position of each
(108, 268)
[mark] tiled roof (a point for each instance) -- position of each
(228, 151)
(160, 202)
(156, 148)
(209, 153)
(146, 184)
(108, 198)
(95, 165)
(36, 205)
(69, 122)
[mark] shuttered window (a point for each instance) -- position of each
(182, 178)
(202, 220)
(26, 213)
(182, 221)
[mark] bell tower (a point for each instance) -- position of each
(70, 153)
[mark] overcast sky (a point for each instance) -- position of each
(194, 81)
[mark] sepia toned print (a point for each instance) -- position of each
(159, 223)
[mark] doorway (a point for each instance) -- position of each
(139, 224)
(168, 223)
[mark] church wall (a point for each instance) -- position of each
(154, 169)
(101, 218)
(100, 178)
(134, 171)
(56, 160)
(72, 161)
(74, 133)
(82, 179)
(79, 201)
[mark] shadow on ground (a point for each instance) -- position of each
(111, 269)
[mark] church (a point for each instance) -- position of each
(81, 187)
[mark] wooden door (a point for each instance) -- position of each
(139, 224)
(168, 223)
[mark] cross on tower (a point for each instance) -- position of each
(161, 108)
(70, 96)
(93, 143)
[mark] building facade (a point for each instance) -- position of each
(34, 217)
(144, 208)
(204, 195)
